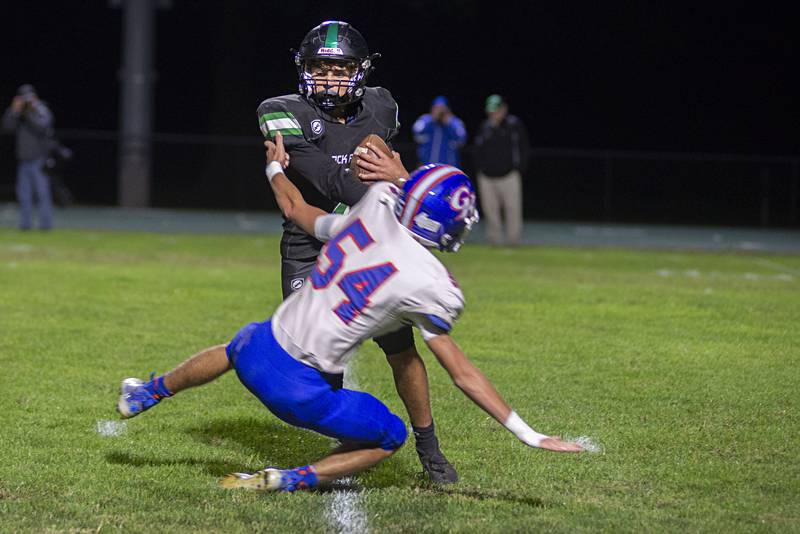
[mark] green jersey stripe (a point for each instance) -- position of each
(284, 131)
(275, 115)
(341, 209)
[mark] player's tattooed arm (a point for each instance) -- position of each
(290, 200)
(477, 387)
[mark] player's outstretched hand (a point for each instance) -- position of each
(555, 444)
(380, 166)
(276, 151)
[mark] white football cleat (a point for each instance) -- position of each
(269, 479)
(134, 398)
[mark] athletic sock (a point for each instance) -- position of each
(156, 387)
(299, 478)
(426, 439)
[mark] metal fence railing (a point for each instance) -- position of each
(222, 171)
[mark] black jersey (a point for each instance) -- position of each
(320, 149)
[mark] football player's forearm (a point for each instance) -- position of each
(292, 204)
(468, 378)
(474, 384)
(477, 387)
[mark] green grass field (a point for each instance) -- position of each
(684, 366)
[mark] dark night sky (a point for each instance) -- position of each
(634, 75)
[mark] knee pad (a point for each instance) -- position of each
(395, 434)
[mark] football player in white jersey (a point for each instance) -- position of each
(373, 275)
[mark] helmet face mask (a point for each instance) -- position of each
(333, 64)
(437, 206)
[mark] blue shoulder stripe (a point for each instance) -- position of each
(439, 322)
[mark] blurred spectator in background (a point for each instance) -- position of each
(439, 135)
(501, 156)
(32, 123)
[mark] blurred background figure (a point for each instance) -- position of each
(58, 159)
(31, 121)
(501, 157)
(439, 135)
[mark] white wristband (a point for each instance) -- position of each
(520, 428)
(272, 169)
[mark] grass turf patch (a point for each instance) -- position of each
(682, 365)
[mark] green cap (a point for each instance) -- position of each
(493, 102)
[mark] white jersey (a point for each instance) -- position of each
(371, 278)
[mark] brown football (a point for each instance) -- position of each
(377, 144)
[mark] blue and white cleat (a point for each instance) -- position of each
(134, 398)
(269, 479)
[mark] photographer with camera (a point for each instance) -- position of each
(32, 123)
(439, 135)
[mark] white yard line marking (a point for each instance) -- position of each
(778, 267)
(345, 511)
(111, 428)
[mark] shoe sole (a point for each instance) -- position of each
(267, 480)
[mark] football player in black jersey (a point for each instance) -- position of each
(321, 127)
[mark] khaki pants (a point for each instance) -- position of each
(503, 193)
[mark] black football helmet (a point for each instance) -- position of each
(333, 43)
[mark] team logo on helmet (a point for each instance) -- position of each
(437, 205)
(334, 51)
(463, 200)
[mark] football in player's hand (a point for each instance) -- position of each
(377, 144)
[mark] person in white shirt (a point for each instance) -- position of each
(374, 274)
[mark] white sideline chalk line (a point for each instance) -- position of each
(345, 513)
(110, 429)
(752, 277)
(246, 223)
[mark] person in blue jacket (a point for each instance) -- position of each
(439, 135)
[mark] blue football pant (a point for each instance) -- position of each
(299, 395)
